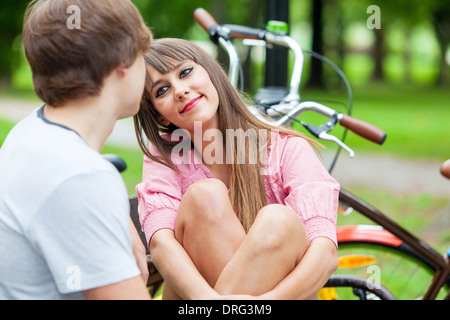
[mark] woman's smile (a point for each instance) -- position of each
(191, 104)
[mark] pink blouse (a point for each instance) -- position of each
(293, 176)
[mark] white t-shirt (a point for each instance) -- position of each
(64, 215)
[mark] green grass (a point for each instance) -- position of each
(134, 160)
(415, 119)
(5, 127)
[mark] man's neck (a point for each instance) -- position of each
(92, 118)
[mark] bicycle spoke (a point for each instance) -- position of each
(404, 276)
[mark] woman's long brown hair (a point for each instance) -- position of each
(247, 191)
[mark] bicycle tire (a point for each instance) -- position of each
(401, 271)
(360, 287)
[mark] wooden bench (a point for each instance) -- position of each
(155, 279)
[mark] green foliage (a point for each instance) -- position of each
(344, 26)
(170, 18)
(11, 19)
(5, 127)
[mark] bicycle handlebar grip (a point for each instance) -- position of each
(237, 31)
(204, 19)
(364, 129)
(445, 169)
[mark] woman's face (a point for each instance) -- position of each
(184, 95)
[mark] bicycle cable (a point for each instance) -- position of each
(349, 95)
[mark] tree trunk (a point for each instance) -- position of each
(316, 77)
(277, 58)
(441, 23)
(378, 55)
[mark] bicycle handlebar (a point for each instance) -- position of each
(290, 107)
(243, 32)
(210, 25)
(361, 128)
(223, 34)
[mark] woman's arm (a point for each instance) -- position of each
(177, 268)
(311, 192)
(309, 276)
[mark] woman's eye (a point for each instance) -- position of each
(161, 91)
(185, 72)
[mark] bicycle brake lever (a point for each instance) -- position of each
(322, 133)
(328, 137)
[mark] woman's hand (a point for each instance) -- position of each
(309, 276)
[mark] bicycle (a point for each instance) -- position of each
(285, 110)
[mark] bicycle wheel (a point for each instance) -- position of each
(393, 267)
(404, 264)
(346, 286)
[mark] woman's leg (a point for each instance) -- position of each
(230, 260)
(274, 245)
(208, 228)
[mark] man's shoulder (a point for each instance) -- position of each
(49, 146)
(39, 158)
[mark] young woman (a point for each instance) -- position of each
(229, 204)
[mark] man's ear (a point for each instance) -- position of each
(121, 70)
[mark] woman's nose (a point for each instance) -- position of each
(181, 93)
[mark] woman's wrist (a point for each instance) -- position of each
(205, 294)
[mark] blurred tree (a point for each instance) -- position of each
(11, 21)
(276, 68)
(402, 17)
(329, 20)
(441, 23)
(316, 77)
(170, 18)
(409, 14)
(176, 20)
(232, 12)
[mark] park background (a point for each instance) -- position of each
(399, 73)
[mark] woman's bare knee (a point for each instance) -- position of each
(281, 219)
(206, 186)
(204, 199)
(278, 225)
(206, 193)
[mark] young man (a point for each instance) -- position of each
(64, 211)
